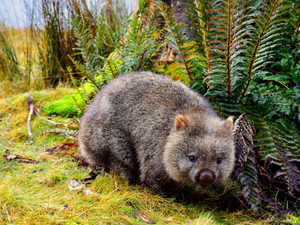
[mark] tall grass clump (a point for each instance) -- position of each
(53, 37)
(10, 67)
(12, 75)
(51, 41)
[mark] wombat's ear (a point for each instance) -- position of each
(225, 127)
(229, 123)
(180, 123)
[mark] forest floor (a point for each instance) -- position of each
(43, 183)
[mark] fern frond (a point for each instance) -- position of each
(289, 153)
(269, 28)
(278, 143)
(245, 166)
(228, 37)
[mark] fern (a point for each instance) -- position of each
(250, 52)
(235, 49)
(269, 27)
(246, 165)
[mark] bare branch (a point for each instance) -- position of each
(31, 112)
(8, 119)
(49, 121)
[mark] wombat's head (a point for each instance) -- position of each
(200, 151)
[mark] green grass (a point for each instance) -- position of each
(40, 193)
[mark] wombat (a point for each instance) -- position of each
(154, 131)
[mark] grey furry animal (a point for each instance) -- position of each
(152, 130)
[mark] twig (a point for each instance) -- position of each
(287, 193)
(142, 58)
(80, 108)
(74, 121)
(8, 119)
(54, 123)
(31, 112)
(242, 203)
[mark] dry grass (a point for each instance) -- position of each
(23, 73)
(38, 56)
(40, 194)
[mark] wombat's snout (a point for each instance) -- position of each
(205, 177)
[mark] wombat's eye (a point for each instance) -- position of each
(192, 158)
(219, 160)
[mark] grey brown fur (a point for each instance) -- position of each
(152, 130)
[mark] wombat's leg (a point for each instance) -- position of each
(123, 160)
(125, 172)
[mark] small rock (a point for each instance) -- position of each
(89, 192)
(75, 185)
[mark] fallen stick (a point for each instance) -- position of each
(31, 112)
(49, 121)
(18, 158)
(8, 119)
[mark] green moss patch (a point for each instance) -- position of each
(70, 105)
(65, 106)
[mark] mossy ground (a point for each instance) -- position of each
(40, 194)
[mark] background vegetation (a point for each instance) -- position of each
(38, 56)
(243, 56)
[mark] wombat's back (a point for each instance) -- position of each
(142, 89)
(139, 103)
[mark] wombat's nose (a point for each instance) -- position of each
(206, 177)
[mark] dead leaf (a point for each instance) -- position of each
(66, 208)
(243, 137)
(143, 217)
(18, 158)
(169, 219)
